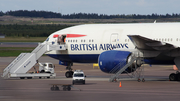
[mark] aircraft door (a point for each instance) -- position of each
(111, 38)
(114, 38)
(61, 39)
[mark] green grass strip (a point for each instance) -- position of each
(9, 53)
(23, 39)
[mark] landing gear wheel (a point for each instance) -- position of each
(178, 76)
(173, 77)
(69, 74)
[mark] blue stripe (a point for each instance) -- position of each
(86, 58)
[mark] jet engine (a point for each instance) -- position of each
(114, 60)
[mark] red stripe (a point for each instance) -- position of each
(70, 35)
(56, 35)
(74, 35)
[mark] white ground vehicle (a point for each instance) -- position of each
(45, 70)
(46, 67)
(78, 77)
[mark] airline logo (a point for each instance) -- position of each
(91, 47)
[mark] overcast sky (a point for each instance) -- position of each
(94, 6)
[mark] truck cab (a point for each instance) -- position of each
(78, 77)
(46, 67)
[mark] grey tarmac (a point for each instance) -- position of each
(157, 86)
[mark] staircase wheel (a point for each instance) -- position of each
(139, 80)
(143, 80)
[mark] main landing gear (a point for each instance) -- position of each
(174, 77)
(69, 73)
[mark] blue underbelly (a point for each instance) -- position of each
(93, 58)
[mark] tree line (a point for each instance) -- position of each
(30, 30)
(49, 14)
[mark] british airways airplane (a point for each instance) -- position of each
(108, 44)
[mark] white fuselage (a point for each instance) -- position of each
(102, 37)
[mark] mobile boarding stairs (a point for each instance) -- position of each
(137, 71)
(25, 61)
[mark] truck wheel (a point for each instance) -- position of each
(42, 71)
(48, 77)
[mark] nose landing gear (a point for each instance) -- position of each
(69, 73)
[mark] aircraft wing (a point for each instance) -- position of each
(143, 43)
